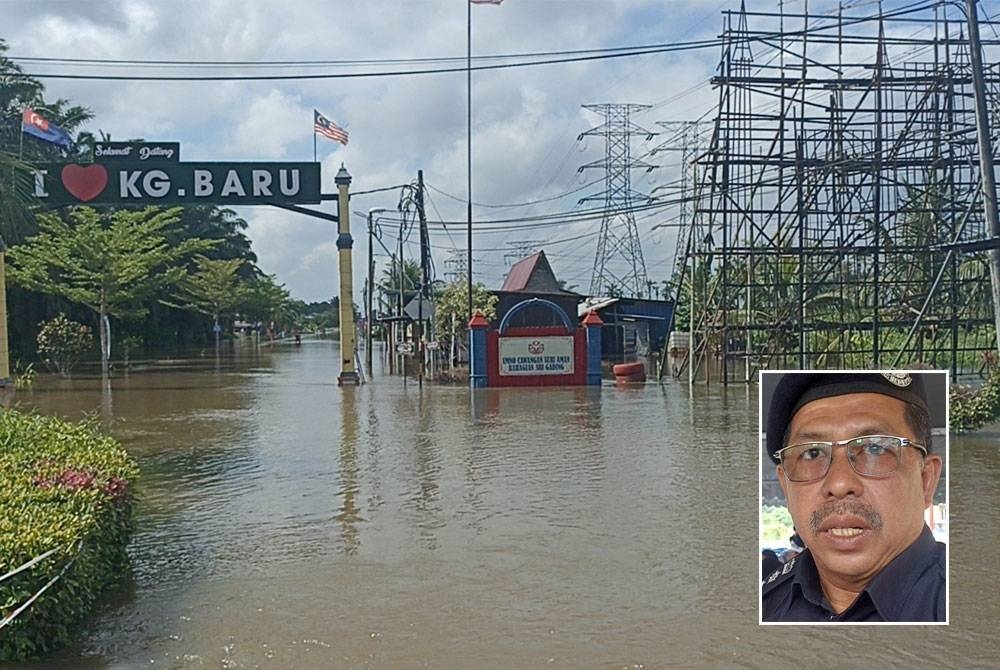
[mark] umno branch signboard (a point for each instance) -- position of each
(150, 174)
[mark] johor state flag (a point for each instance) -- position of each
(35, 124)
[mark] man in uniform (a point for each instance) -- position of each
(853, 455)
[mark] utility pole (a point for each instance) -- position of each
(369, 320)
(425, 266)
(400, 303)
(989, 184)
(468, 134)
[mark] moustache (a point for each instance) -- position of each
(845, 507)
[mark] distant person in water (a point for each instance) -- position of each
(853, 456)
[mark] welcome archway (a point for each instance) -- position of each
(152, 174)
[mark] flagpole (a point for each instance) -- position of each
(20, 144)
(468, 119)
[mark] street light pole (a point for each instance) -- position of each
(369, 321)
(348, 369)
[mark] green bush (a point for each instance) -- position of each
(971, 409)
(61, 342)
(63, 486)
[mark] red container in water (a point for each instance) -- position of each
(629, 373)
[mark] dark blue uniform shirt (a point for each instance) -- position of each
(910, 588)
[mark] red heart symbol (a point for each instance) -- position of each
(84, 182)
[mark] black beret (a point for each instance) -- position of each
(795, 389)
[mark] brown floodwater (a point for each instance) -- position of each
(289, 523)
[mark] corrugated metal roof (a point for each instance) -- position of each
(596, 304)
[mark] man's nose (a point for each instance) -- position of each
(841, 480)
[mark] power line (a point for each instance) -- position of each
(515, 204)
(532, 59)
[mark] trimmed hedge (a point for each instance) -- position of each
(63, 486)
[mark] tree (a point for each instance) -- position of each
(322, 315)
(453, 310)
(15, 87)
(210, 222)
(15, 194)
(176, 326)
(213, 289)
(17, 92)
(107, 262)
(389, 286)
(268, 301)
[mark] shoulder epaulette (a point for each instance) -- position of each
(779, 576)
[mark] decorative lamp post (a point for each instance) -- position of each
(348, 335)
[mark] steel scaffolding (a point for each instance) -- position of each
(838, 221)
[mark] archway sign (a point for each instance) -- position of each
(152, 174)
(535, 355)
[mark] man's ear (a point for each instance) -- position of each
(782, 481)
(929, 477)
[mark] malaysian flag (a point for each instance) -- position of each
(328, 128)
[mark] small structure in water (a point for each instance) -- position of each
(634, 328)
(535, 355)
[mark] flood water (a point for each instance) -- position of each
(289, 523)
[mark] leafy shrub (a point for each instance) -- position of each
(63, 486)
(971, 409)
(61, 342)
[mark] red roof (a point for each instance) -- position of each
(520, 273)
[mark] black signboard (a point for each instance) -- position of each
(121, 182)
(137, 152)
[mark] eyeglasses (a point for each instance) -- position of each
(869, 456)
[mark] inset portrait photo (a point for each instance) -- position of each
(854, 496)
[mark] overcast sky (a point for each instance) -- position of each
(526, 121)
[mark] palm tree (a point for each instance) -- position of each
(390, 288)
(17, 92)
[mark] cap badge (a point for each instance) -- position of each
(900, 379)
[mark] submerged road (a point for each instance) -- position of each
(288, 523)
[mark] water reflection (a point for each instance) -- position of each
(349, 514)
